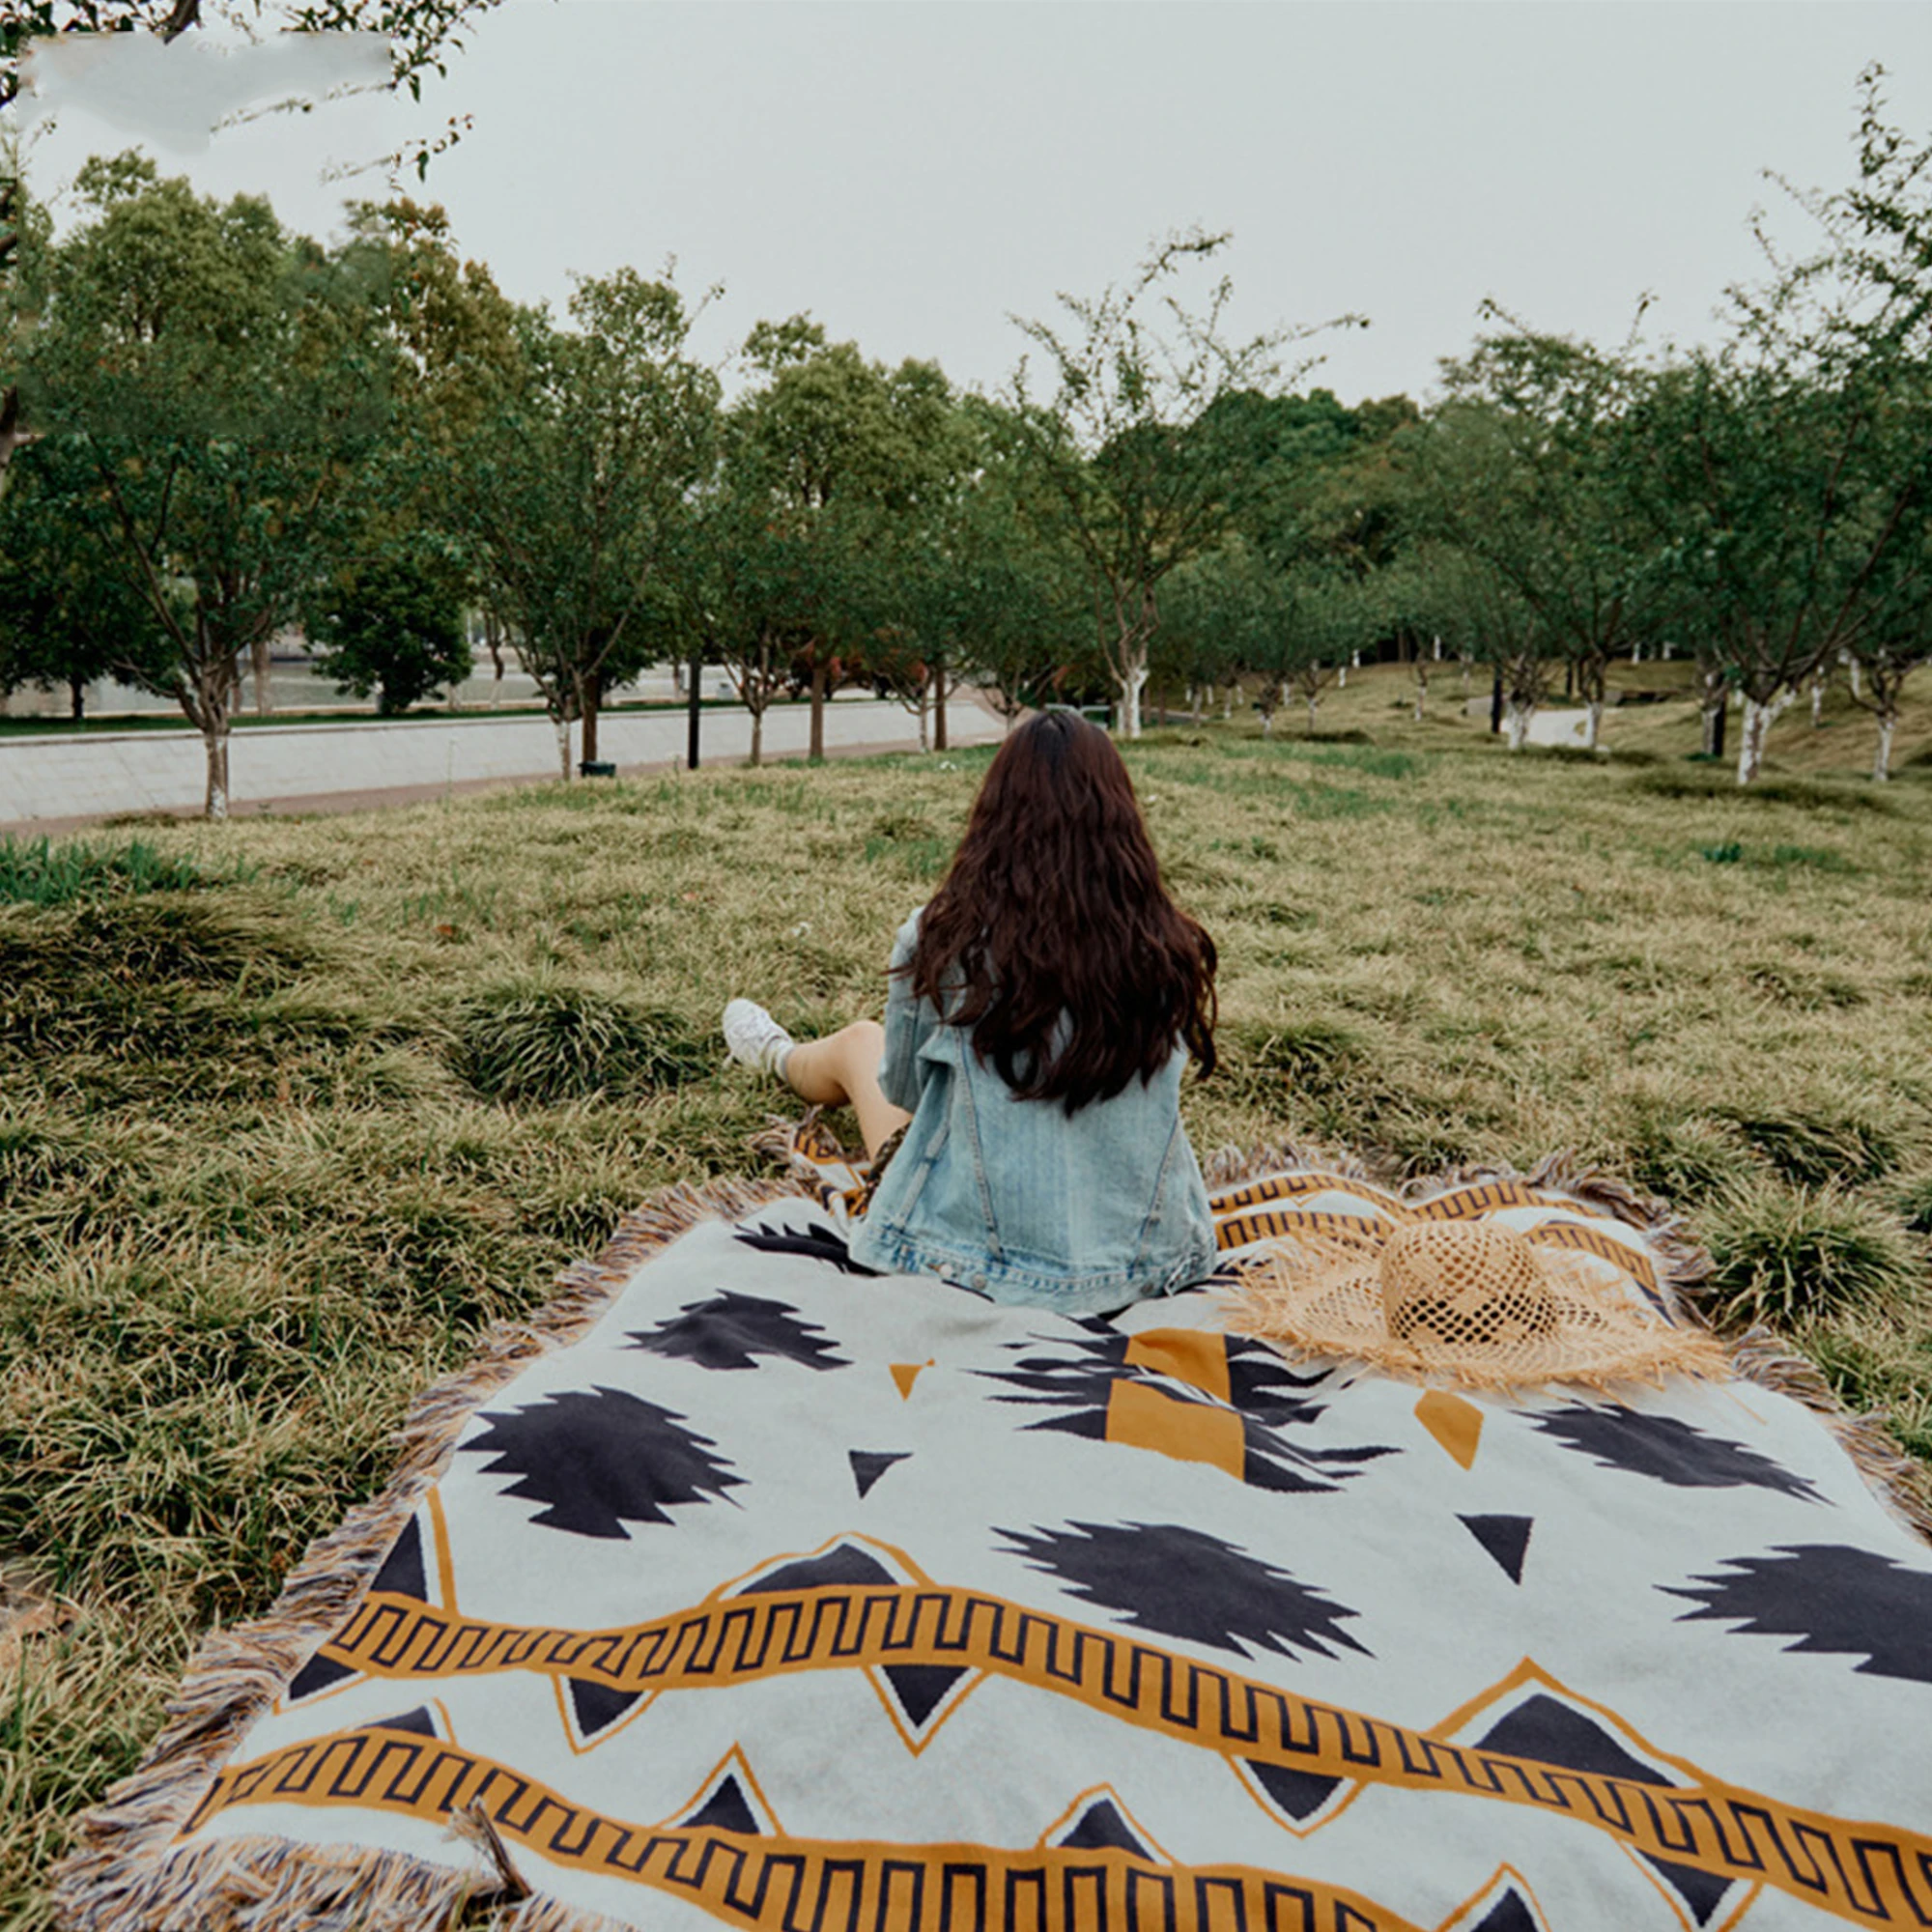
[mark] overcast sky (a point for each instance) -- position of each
(912, 171)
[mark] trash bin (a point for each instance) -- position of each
(595, 768)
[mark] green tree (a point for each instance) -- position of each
(1529, 467)
(838, 463)
(1790, 470)
(393, 625)
(69, 614)
(207, 382)
(1139, 467)
(573, 487)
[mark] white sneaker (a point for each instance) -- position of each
(754, 1038)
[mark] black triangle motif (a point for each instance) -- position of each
(417, 1723)
(725, 1810)
(1300, 1793)
(870, 1465)
(320, 1673)
(1101, 1828)
(1550, 1732)
(402, 1574)
(920, 1688)
(844, 1565)
(1701, 1891)
(595, 1707)
(1509, 1914)
(1541, 1727)
(1505, 1537)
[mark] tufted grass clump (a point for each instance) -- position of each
(1793, 1256)
(1818, 1146)
(541, 1040)
(42, 873)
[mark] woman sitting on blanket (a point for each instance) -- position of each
(1021, 1103)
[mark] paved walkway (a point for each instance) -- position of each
(57, 783)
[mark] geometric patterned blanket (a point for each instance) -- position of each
(751, 1589)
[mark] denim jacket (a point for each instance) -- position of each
(1013, 1198)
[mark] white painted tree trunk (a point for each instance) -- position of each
(1636, 652)
(214, 740)
(1516, 723)
(1438, 650)
(1888, 723)
(925, 733)
(1313, 701)
(1341, 678)
(1593, 723)
(1228, 705)
(1758, 722)
(1267, 723)
(1818, 703)
(1355, 660)
(563, 748)
(1851, 671)
(1133, 681)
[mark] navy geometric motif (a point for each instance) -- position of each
(1668, 1451)
(730, 1331)
(1832, 1599)
(600, 1457)
(1183, 1582)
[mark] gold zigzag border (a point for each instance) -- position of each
(1862, 1871)
(779, 1883)
(118, 1877)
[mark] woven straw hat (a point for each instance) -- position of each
(1468, 1301)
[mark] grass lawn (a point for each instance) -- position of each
(290, 1110)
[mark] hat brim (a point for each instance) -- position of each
(1315, 1299)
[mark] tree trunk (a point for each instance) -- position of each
(1267, 723)
(493, 641)
(1132, 682)
(1341, 677)
(924, 740)
(76, 696)
(214, 741)
(1888, 723)
(1228, 705)
(1851, 671)
(589, 702)
(820, 679)
(1593, 723)
(1758, 722)
(1818, 703)
(1497, 702)
(1313, 701)
(939, 743)
(758, 737)
(1421, 685)
(265, 698)
(562, 746)
(1516, 722)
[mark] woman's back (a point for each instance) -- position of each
(1018, 1198)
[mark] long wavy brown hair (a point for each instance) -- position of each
(1054, 905)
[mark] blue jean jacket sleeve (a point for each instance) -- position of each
(909, 1025)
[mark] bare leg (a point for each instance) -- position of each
(843, 1068)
